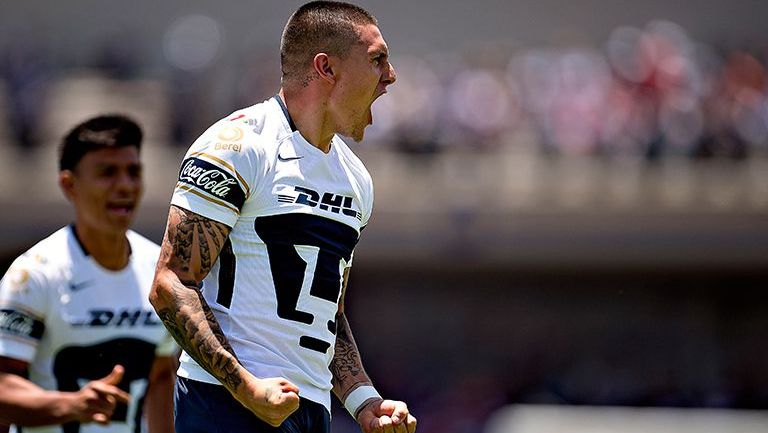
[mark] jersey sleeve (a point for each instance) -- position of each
(23, 302)
(367, 201)
(219, 171)
(367, 210)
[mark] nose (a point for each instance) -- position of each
(390, 76)
(127, 181)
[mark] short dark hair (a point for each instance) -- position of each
(320, 26)
(100, 132)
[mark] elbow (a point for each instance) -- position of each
(158, 294)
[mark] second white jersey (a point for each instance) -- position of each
(296, 215)
(73, 320)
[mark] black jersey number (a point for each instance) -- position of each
(74, 366)
(303, 282)
(306, 255)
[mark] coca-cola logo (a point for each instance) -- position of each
(18, 323)
(212, 179)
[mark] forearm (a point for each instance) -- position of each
(189, 319)
(190, 248)
(158, 405)
(26, 404)
(346, 366)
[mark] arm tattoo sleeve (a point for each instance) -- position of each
(346, 366)
(191, 245)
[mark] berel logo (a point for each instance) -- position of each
(228, 146)
(328, 201)
(231, 133)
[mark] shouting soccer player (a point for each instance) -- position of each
(265, 216)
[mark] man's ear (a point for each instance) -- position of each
(324, 67)
(67, 183)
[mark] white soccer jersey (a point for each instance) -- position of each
(296, 214)
(72, 321)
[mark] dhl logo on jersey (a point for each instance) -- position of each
(119, 318)
(327, 201)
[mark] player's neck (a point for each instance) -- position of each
(110, 249)
(309, 116)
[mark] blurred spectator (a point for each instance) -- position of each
(119, 56)
(26, 68)
(191, 45)
(650, 92)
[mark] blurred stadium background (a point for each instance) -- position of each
(570, 231)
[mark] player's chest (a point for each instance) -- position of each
(89, 307)
(312, 187)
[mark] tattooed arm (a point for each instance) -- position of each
(375, 414)
(191, 245)
(346, 366)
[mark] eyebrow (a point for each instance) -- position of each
(380, 51)
(102, 165)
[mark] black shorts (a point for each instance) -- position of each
(205, 408)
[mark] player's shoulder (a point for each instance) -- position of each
(141, 244)
(144, 252)
(255, 129)
(52, 251)
(47, 258)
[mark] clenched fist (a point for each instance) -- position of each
(272, 399)
(386, 416)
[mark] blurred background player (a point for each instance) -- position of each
(79, 342)
(266, 214)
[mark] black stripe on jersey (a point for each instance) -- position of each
(20, 323)
(314, 344)
(285, 112)
(77, 238)
(211, 179)
(330, 236)
(227, 269)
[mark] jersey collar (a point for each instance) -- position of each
(82, 246)
(285, 112)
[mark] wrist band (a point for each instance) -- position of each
(356, 398)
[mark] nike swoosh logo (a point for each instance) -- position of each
(289, 158)
(79, 286)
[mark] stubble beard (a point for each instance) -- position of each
(358, 134)
(356, 131)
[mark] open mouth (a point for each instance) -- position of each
(123, 209)
(370, 113)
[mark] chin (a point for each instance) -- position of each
(358, 134)
(121, 224)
